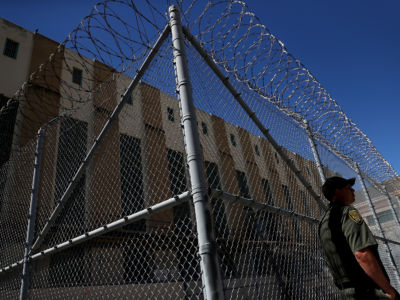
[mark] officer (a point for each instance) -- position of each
(349, 247)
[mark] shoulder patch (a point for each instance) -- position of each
(355, 216)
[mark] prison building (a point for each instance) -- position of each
(141, 162)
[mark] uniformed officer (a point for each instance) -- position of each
(349, 247)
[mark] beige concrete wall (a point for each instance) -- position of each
(235, 151)
(43, 96)
(173, 130)
(155, 157)
(130, 118)
(302, 164)
(14, 71)
(253, 173)
(76, 99)
(208, 143)
(229, 183)
(104, 204)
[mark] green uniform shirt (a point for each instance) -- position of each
(342, 232)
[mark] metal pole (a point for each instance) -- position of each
(32, 214)
(315, 152)
(391, 206)
(372, 208)
(211, 275)
(97, 141)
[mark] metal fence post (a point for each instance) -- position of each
(315, 152)
(211, 275)
(32, 214)
(372, 208)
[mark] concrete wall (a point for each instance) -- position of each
(14, 71)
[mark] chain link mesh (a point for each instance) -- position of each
(15, 191)
(267, 242)
(271, 257)
(10, 284)
(157, 263)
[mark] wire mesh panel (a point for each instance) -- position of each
(158, 263)
(123, 173)
(10, 283)
(395, 252)
(15, 191)
(334, 165)
(384, 212)
(247, 163)
(113, 150)
(389, 254)
(265, 255)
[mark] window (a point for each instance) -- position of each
(276, 158)
(257, 150)
(204, 128)
(131, 179)
(176, 167)
(70, 154)
(71, 264)
(385, 216)
(217, 204)
(130, 99)
(233, 140)
(137, 262)
(267, 191)
(371, 220)
(11, 48)
(170, 113)
(305, 203)
(268, 220)
(243, 187)
(77, 76)
(287, 196)
(7, 123)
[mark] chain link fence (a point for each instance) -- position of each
(114, 214)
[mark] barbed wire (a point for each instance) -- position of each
(117, 35)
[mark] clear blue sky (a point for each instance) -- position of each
(351, 47)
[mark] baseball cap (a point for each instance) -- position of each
(333, 183)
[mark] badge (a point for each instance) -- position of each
(355, 216)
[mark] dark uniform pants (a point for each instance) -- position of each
(363, 294)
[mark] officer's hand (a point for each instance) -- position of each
(393, 294)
